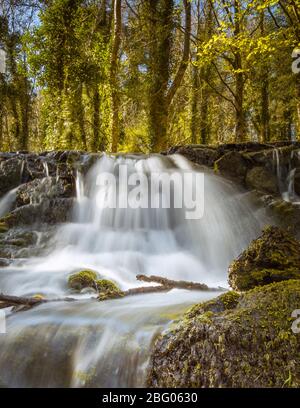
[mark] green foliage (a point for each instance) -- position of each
(238, 86)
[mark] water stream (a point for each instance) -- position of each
(106, 344)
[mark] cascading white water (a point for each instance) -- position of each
(7, 201)
(286, 180)
(106, 344)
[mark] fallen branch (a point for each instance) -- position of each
(165, 285)
(176, 284)
(8, 301)
(147, 289)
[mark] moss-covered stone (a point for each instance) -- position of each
(108, 289)
(273, 257)
(248, 343)
(83, 279)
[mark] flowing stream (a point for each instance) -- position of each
(107, 344)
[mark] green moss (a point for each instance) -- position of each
(224, 302)
(249, 344)
(273, 257)
(108, 290)
(83, 279)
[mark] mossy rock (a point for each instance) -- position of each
(108, 290)
(248, 343)
(83, 279)
(273, 257)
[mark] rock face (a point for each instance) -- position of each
(232, 165)
(51, 212)
(273, 257)
(44, 189)
(10, 174)
(234, 341)
(261, 179)
(203, 155)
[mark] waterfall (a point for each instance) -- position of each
(286, 178)
(106, 344)
(46, 168)
(7, 201)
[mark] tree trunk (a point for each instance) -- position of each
(204, 124)
(201, 94)
(298, 104)
(25, 112)
(114, 83)
(96, 119)
(160, 97)
(240, 128)
(265, 114)
(195, 115)
(159, 15)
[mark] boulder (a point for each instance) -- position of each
(261, 179)
(273, 257)
(87, 279)
(232, 165)
(248, 340)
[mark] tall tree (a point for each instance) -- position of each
(160, 24)
(114, 82)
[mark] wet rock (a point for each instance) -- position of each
(243, 147)
(19, 244)
(232, 165)
(202, 155)
(4, 262)
(10, 174)
(46, 188)
(297, 182)
(52, 211)
(261, 179)
(273, 257)
(248, 344)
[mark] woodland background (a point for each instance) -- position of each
(125, 75)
